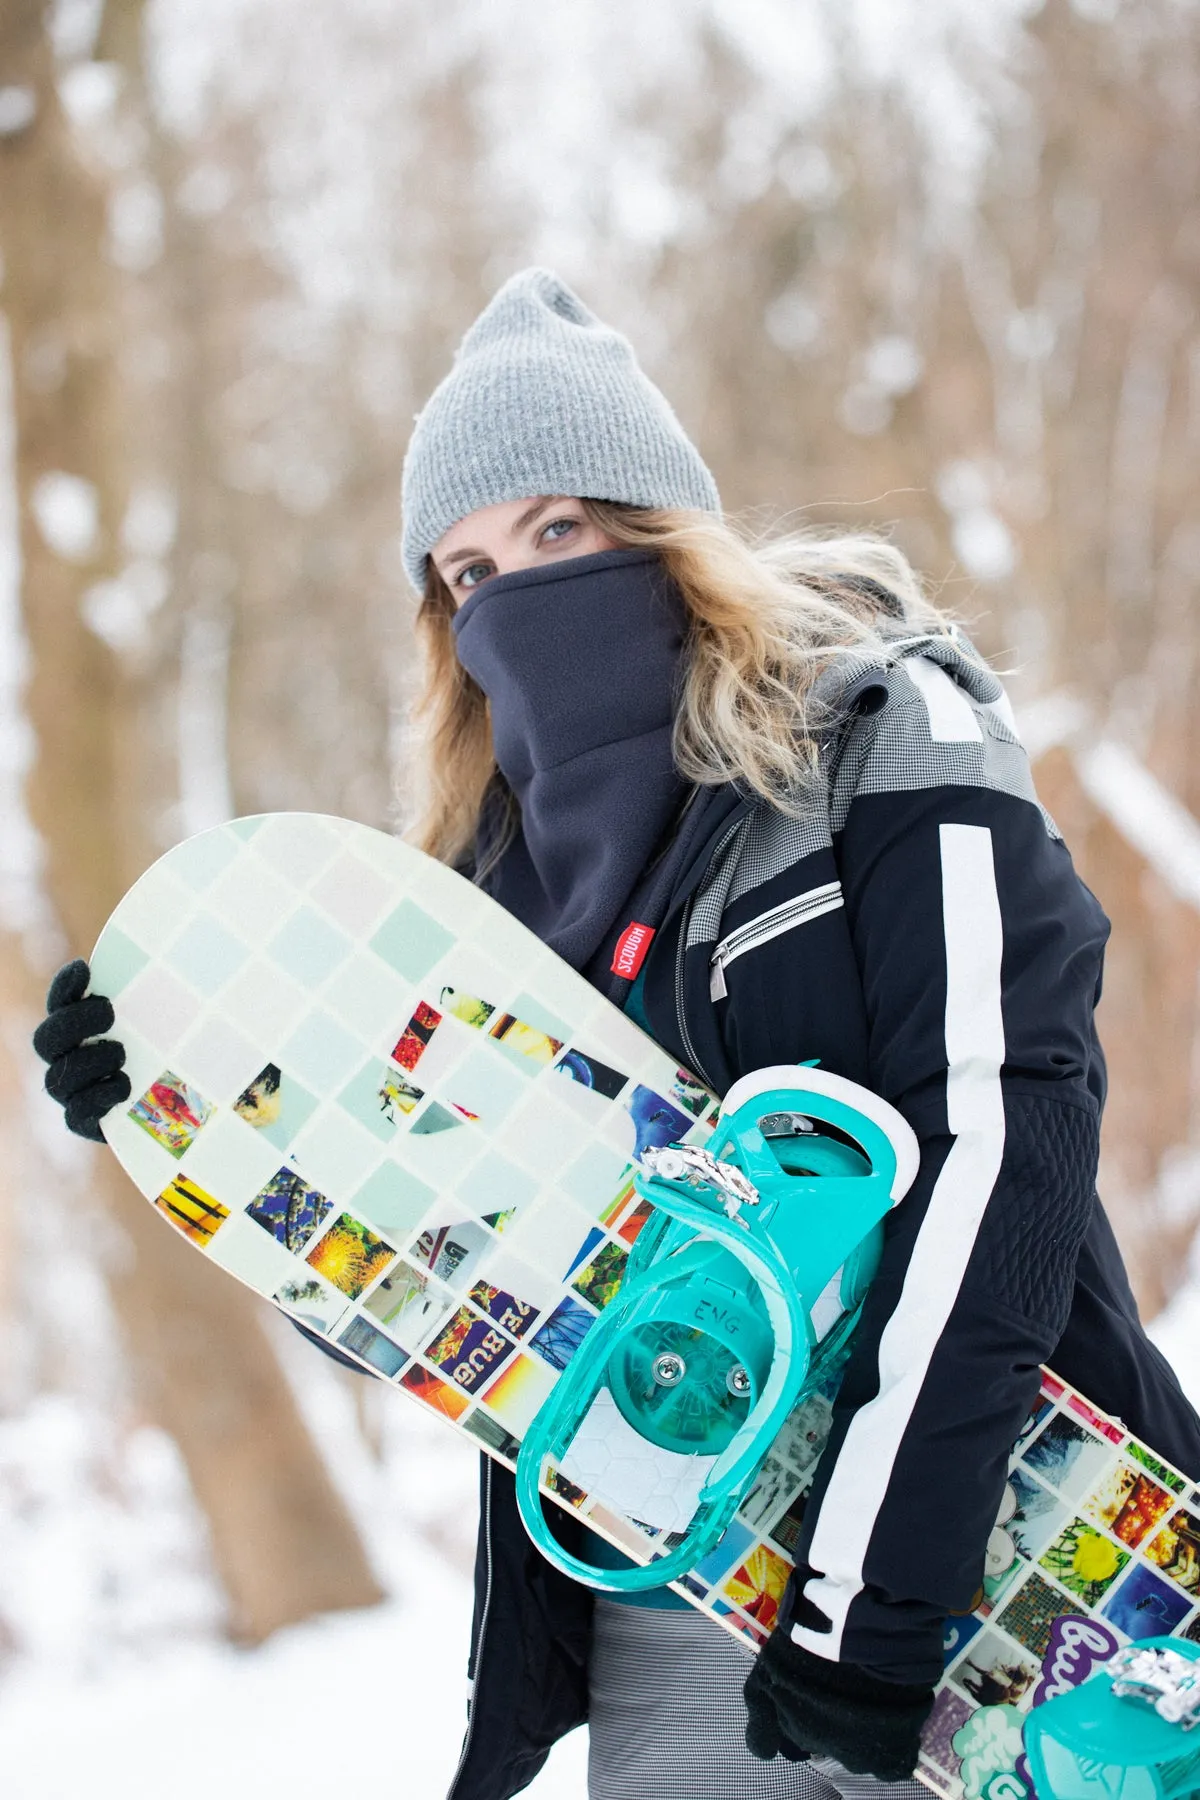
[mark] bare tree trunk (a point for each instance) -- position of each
(283, 1541)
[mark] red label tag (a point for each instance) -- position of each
(632, 946)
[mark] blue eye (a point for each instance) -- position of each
(473, 574)
(558, 529)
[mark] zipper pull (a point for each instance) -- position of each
(717, 989)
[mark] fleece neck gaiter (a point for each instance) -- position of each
(581, 663)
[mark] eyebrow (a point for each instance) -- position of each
(514, 530)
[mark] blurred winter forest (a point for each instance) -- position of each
(929, 268)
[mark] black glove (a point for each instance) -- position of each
(799, 1705)
(86, 1079)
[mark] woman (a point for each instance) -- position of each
(766, 800)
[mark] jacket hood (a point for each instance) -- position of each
(860, 682)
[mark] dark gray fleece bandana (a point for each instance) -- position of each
(581, 664)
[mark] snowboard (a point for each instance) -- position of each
(364, 1090)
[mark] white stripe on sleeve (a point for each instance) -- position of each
(974, 1053)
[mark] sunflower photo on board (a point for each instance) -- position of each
(350, 1256)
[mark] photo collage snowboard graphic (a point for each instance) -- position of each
(364, 1090)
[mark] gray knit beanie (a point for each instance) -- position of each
(543, 399)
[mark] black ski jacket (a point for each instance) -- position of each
(922, 931)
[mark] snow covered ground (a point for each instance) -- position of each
(115, 1681)
(302, 1712)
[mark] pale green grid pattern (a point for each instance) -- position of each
(308, 942)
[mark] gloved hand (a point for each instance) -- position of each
(799, 1705)
(86, 1079)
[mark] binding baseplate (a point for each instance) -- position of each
(739, 1291)
(1126, 1733)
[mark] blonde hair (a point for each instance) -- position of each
(766, 616)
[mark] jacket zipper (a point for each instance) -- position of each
(473, 1709)
(770, 924)
(685, 1036)
(689, 1049)
(738, 941)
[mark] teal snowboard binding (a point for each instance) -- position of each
(739, 1293)
(1127, 1733)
